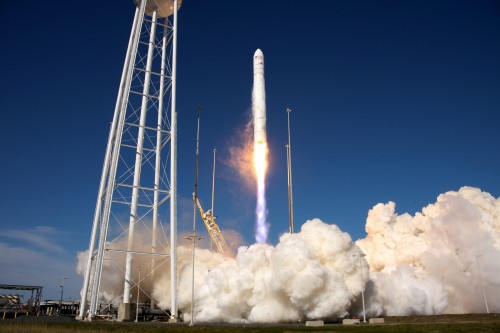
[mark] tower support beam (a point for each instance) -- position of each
(124, 84)
(138, 178)
(138, 164)
(173, 175)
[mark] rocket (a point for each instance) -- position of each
(260, 145)
(259, 99)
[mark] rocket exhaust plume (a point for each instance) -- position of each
(260, 145)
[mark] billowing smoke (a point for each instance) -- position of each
(433, 262)
(430, 263)
(309, 275)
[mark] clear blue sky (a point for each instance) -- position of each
(392, 101)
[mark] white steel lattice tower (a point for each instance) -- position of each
(139, 172)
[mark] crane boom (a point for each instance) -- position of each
(212, 228)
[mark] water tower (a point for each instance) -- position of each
(139, 173)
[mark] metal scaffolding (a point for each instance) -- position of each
(139, 172)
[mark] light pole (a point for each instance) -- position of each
(194, 237)
(62, 293)
(72, 299)
(481, 281)
(138, 292)
(362, 288)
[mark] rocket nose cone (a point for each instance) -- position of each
(258, 53)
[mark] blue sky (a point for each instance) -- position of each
(392, 101)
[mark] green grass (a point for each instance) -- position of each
(12, 326)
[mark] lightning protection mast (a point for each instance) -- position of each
(289, 173)
(139, 174)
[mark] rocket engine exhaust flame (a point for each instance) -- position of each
(260, 164)
(260, 145)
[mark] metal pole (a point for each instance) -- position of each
(193, 238)
(192, 278)
(362, 287)
(105, 169)
(195, 197)
(114, 163)
(290, 228)
(158, 152)
(173, 175)
(138, 163)
(289, 163)
(62, 292)
(196, 166)
(213, 192)
(138, 292)
(213, 183)
(482, 286)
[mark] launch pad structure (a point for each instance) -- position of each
(139, 174)
(36, 293)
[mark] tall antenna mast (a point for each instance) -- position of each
(197, 159)
(213, 192)
(213, 182)
(289, 169)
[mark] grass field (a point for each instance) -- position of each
(434, 324)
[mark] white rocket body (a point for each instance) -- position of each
(259, 99)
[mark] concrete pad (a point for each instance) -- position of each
(376, 320)
(315, 323)
(126, 312)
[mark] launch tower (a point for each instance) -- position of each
(139, 173)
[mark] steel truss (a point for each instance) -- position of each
(139, 171)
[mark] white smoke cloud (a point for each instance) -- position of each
(423, 264)
(426, 264)
(308, 275)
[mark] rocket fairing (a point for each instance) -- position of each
(259, 99)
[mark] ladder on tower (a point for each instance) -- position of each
(212, 228)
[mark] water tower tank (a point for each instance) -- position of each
(163, 8)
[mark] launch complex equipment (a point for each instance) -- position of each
(208, 216)
(212, 228)
(33, 304)
(139, 174)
